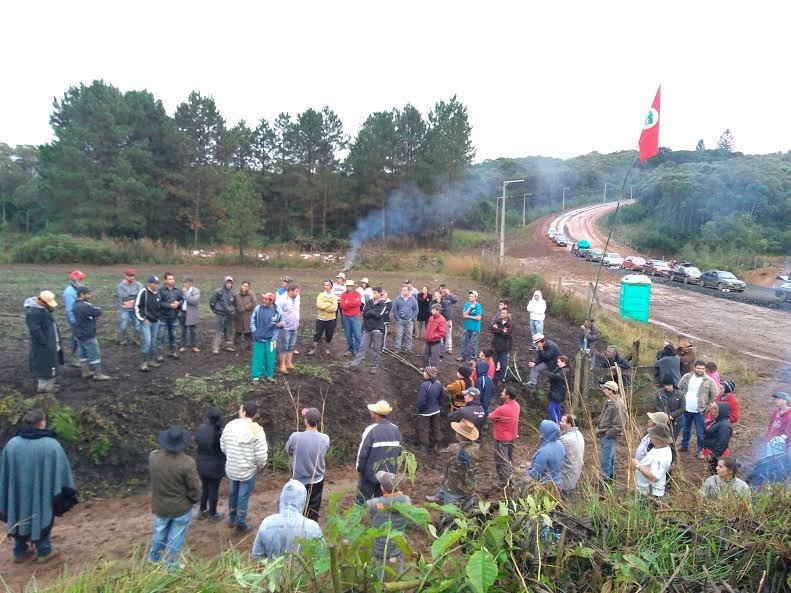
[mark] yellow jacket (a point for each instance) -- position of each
(327, 304)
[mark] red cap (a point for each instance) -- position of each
(270, 295)
(78, 275)
(130, 271)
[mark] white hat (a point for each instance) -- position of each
(341, 275)
(538, 337)
(364, 280)
(474, 293)
(381, 407)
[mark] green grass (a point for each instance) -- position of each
(467, 239)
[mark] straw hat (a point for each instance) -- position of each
(466, 429)
(47, 297)
(662, 433)
(659, 418)
(381, 407)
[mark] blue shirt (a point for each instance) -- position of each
(476, 310)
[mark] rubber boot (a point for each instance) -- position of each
(87, 373)
(282, 360)
(312, 351)
(215, 347)
(98, 375)
(229, 347)
(289, 360)
(153, 361)
(144, 366)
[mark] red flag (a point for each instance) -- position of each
(649, 139)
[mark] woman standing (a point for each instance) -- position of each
(211, 464)
(423, 310)
(245, 303)
(327, 308)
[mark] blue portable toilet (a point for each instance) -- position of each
(635, 297)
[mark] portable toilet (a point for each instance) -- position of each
(635, 297)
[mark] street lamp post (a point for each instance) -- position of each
(563, 206)
(605, 194)
(502, 220)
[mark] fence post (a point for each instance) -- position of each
(635, 353)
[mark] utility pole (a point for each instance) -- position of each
(497, 216)
(563, 207)
(502, 220)
(524, 207)
(605, 194)
(631, 192)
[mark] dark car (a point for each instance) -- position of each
(657, 267)
(685, 272)
(594, 255)
(721, 280)
(783, 292)
(560, 240)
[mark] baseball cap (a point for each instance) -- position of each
(153, 280)
(364, 280)
(270, 295)
(474, 293)
(611, 385)
(782, 395)
(386, 479)
(78, 275)
(474, 392)
(130, 272)
(83, 290)
(312, 415)
(538, 337)
(341, 275)
(47, 297)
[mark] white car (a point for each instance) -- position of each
(612, 259)
(551, 232)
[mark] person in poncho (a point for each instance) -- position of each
(36, 485)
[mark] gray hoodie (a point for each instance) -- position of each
(279, 533)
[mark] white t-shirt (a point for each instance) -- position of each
(692, 393)
(657, 461)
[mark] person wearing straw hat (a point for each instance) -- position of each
(459, 482)
(46, 351)
(350, 304)
(380, 447)
(654, 419)
(175, 488)
(608, 429)
(365, 290)
(687, 356)
(307, 450)
(338, 288)
(651, 470)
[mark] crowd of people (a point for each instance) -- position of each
(690, 393)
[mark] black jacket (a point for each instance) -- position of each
(166, 297)
(718, 433)
(423, 307)
(447, 303)
(668, 367)
(223, 301)
(503, 335)
(558, 379)
(45, 350)
(472, 411)
(430, 397)
(549, 355)
(211, 459)
(379, 449)
(374, 316)
(671, 403)
(85, 315)
(147, 306)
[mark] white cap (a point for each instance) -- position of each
(364, 280)
(474, 293)
(538, 337)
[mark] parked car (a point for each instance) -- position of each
(783, 292)
(657, 267)
(551, 232)
(594, 255)
(634, 263)
(721, 280)
(561, 240)
(612, 259)
(685, 272)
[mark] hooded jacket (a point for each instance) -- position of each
(430, 397)
(718, 433)
(547, 463)
(191, 306)
(560, 380)
(278, 533)
(405, 309)
(485, 384)
(379, 449)
(245, 448)
(374, 315)
(672, 404)
(503, 335)
(85, 315)
(549, 355)
(45, 348)
(573, 458)
(537, 308)
(436, 328)
(263, 323)
(211, 459)
(223, 300)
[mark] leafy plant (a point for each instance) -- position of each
(63, 421)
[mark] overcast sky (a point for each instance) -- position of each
(551, 78)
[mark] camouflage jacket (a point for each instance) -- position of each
(462, 468)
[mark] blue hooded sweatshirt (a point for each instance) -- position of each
(547, 463)
(279, 533)
(263, 323)
(484, 383)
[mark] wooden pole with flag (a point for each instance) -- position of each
(649, 138)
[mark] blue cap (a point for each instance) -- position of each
(83, 290)
(153, 280)
(782, 395)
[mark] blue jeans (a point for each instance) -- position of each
(691, 418)
(502, 358)
(352, 327)
(554, 411)
(169, 534)
(43, 544)
(148, 336)
(469, 344)
(607, 457)
(128, 316)
(287, 340)
(404, 327)
(239, 492)
(90, 351)
(536, 327)
(168, 324)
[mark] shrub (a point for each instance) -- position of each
(519, 289)
(61, 249)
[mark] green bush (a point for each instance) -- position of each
(519, 289)
(61, 249)
(63, 421)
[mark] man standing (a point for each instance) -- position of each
(190, 315)
(245, 303)
(386, 316)
(546, 358)
(472, 410)
(327, 308)
(46, 350)
(170, 300)
(608, 428)
(537, 307)
(405, 312)
(307, 450)
(85, 315)
(447, 300)
(148, 310)
(76, 278)
(36, 485)
(127, 291)
(574, 456)
(699, 392)
(384, 516)
(338, 288)
(280, 534)
(668, 366)
(265, 323)
(436, 328)
(484, 384)
(430, 399)
(223, 305)
(175, 487)
(506, 430)
(380, 447)
(350, 305)
(288, 303)
(373, 331)
(460, 480)
(471, 313)
(503, 330)
(244, 443)
(668, 399)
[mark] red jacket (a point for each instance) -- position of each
(350, 303)
(436, 328)
(780, 424)
(506, 421)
